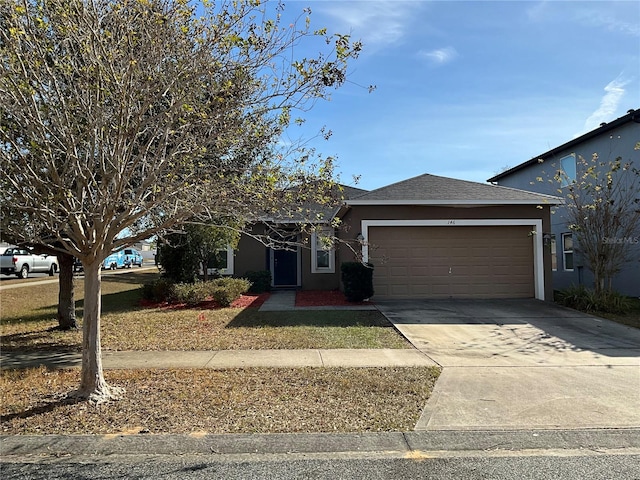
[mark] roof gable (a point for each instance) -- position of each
(632, 116)
(429, 189)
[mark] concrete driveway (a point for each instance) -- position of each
(521, 364)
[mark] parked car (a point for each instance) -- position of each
(125, 258)
(20, 261)
(77, 265)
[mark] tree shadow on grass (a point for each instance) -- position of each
(59, 400)
(131, 277)
(111, 302)
(39, 344)
(37, 315)
(124, 301)
(252, 318)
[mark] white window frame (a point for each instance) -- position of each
(224, 271)
(565, 252)
(320, 232)
(553, 248)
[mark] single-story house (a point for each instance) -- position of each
(615, 139)
(427, 237)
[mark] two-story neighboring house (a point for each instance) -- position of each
(616, 139)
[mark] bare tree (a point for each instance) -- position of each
(603, 209)
(122, 118)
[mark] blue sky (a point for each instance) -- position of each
(465, 89)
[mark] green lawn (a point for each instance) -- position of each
(128, 326)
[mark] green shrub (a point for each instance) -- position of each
(159, 291)
(357, 279)
(189, 293)
(260, 281)
(178, 266)
(587, 300)
(225, 290)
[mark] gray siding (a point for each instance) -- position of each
(619, 142)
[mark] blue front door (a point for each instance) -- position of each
(285, 268)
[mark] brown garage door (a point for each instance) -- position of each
(437, 262)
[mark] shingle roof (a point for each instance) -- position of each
(434, 190)
(319, 213)
(349, 192)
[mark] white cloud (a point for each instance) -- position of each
(620, 17)
(537, 11)
(381, 22)
(610, 20)
(614, 92)
(439, 56)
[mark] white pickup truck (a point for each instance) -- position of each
(20, 261)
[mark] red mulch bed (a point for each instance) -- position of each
(322, 298)
(249, 300)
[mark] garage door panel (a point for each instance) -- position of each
(433, 262)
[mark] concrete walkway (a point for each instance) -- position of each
(285, 301)
(518, 364)
(221, 359)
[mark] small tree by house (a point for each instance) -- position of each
(183, 254)
(603, 210)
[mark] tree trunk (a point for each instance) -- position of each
(92, 384)
(66, 300)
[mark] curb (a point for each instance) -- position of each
(314, 443)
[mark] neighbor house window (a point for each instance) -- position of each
(554, 253)
(323, 255)
(567, 251)
(221, 262)
(568, 167)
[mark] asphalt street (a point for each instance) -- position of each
(532, 454)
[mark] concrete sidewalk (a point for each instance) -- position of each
(221, 359)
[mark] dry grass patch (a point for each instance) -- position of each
(128, 326)
(225, 401)
(247, 329)
(28, 314)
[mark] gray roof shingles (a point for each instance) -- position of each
(428, 188)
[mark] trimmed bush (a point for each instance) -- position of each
(357, 279)
(587, 300)
(223, 290)
(158, 291)
(190, 293)
(260, 281)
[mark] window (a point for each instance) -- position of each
(323, 255)
(554, 253)
(568, 169)
(567, 251)
(221, 262)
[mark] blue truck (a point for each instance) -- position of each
(125, 258)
